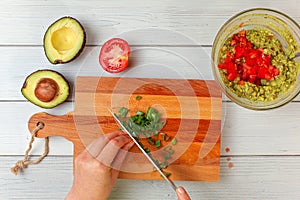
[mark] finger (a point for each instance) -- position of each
(119, 160)
(120, 157)
(182, 194)
(99, 143)
(112, 148)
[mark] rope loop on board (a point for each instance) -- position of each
(22, 164)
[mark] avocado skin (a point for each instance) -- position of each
(57, 61)
(25, 85)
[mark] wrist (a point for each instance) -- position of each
(72, 195)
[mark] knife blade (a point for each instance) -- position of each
(171, 183)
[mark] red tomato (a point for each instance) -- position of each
(239, 51)
(247, 63)
(114, 55)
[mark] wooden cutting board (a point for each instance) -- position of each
(192, 108)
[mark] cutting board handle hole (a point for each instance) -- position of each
(41, 124)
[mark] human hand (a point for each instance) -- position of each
(97, 167)
(182, 194)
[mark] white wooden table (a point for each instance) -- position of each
(264, 146)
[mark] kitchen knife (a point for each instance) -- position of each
(143, 151)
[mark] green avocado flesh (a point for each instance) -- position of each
(45, 88)
(64, 40)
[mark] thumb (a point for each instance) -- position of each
(182, 194)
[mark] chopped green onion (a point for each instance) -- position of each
(165, 137)
(152, 115)
(140, 113)
(147, 135)
(169, 150)
(157, 143)
(157, 162)
(123, 112)
(147, 124)
(167, 156)
(164, 165)
(148, 113)
(138, 97)
(174, 141)
(147, 150)
(151, 141)
(167, 174)
(134, 134)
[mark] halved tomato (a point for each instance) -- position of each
(114, 55)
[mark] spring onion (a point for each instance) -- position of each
(174, 141)
(165, 137)
(138, 97)
(149, 125)
(157, 143)
(151, 141)
(123, 112)
(169, 150)
(147, 150)
(167, 174)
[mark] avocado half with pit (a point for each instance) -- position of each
(64, 40)
(46, 88)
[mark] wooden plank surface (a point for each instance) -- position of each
(250, 178)
(197, 19)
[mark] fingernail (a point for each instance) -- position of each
(181, 190)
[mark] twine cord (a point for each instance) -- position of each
(21, 164)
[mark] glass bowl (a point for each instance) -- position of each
(282, 27)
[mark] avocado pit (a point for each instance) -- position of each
(46, 90)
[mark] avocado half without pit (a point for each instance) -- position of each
(46, 88)
(64, 40)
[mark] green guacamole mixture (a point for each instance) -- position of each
(281, 58)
